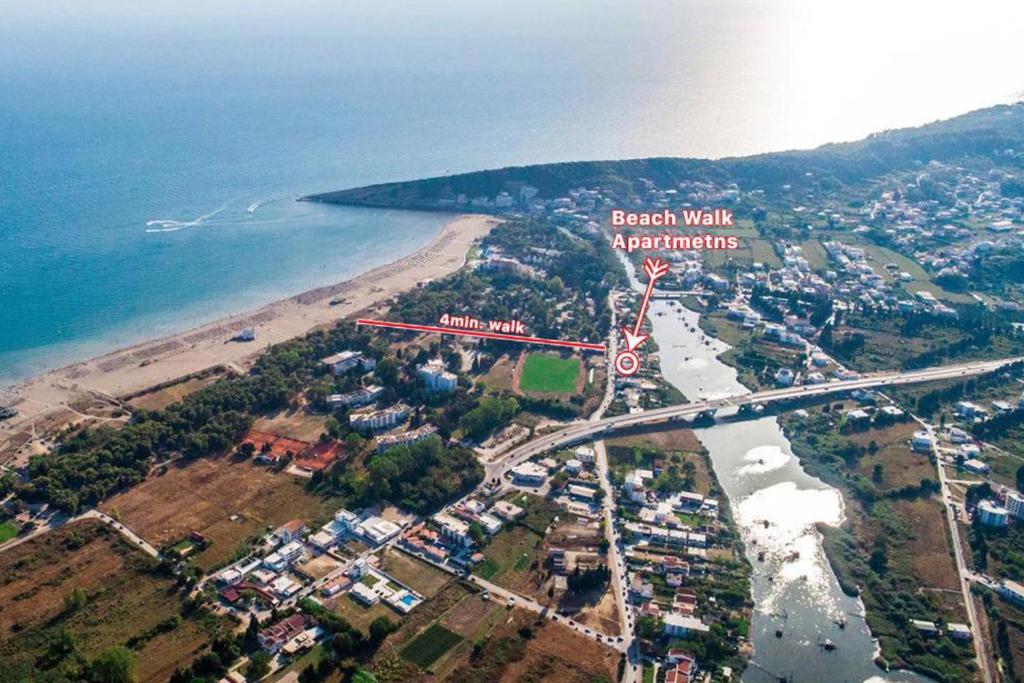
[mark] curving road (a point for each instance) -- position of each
(583, 431)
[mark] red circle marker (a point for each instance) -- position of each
(627, 363)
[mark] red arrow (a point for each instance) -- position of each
(655, 269)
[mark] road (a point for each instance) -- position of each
(585, 430)
(633, 670)
(132, 537)
(963, 573)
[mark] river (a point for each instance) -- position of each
(776, 505)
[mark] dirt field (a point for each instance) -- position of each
(929, 550)
(203, 495)
(555, 653)
(502, 375)
(900, 465)
(296, 424)
(602, 615)
(125, 596)
(419, 576)
(318, 567)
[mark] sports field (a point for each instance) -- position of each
(549, 373)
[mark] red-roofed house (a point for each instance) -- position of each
(273, 637)
(271, 448)
(319, 456)
(291, 531)
(681, 673)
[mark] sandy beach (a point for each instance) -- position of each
(93, 389)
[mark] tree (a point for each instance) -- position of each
(75, 600)
(115, 665)
(649, 628)
(1020, 478)
(259, 666)
(877, 473)
(476, 532)
(250, 641)
(380, 628)
(879, 560)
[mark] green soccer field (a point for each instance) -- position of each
(550, 374)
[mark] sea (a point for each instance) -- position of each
(151, 153)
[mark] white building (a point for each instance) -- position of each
(1012, 591)
(406, 438)
(344, 361)
(453, 529)
(364, 594)
(1015, 504)
(922, 442)
(993, 514)
(529, 474)
(976, 466)
(573, 466)
(678, 625)
(784, 377)
(436, 378)
(377, 530)
(359, 397)
(585, 454)
(379, 419)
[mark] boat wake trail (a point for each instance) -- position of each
(173, 226)
(263, 202)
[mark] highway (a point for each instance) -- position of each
(583, 431)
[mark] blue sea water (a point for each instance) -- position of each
(150, 153)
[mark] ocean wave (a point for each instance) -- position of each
(167, 225)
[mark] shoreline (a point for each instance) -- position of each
(133, 369)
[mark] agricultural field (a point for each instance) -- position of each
(227, 499)
(83, 579)
(549, 373)
(880, 256)
(429, 646)
(459, 637)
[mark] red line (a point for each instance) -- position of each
(643, 306)
(486, 335)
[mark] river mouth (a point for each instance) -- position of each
(798, 603)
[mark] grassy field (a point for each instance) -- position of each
(125, 598)
(429, 646)
(549, 373)
(358, 615)
(8, 530)
(161, 398)
(517, 551)
(205, 495)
